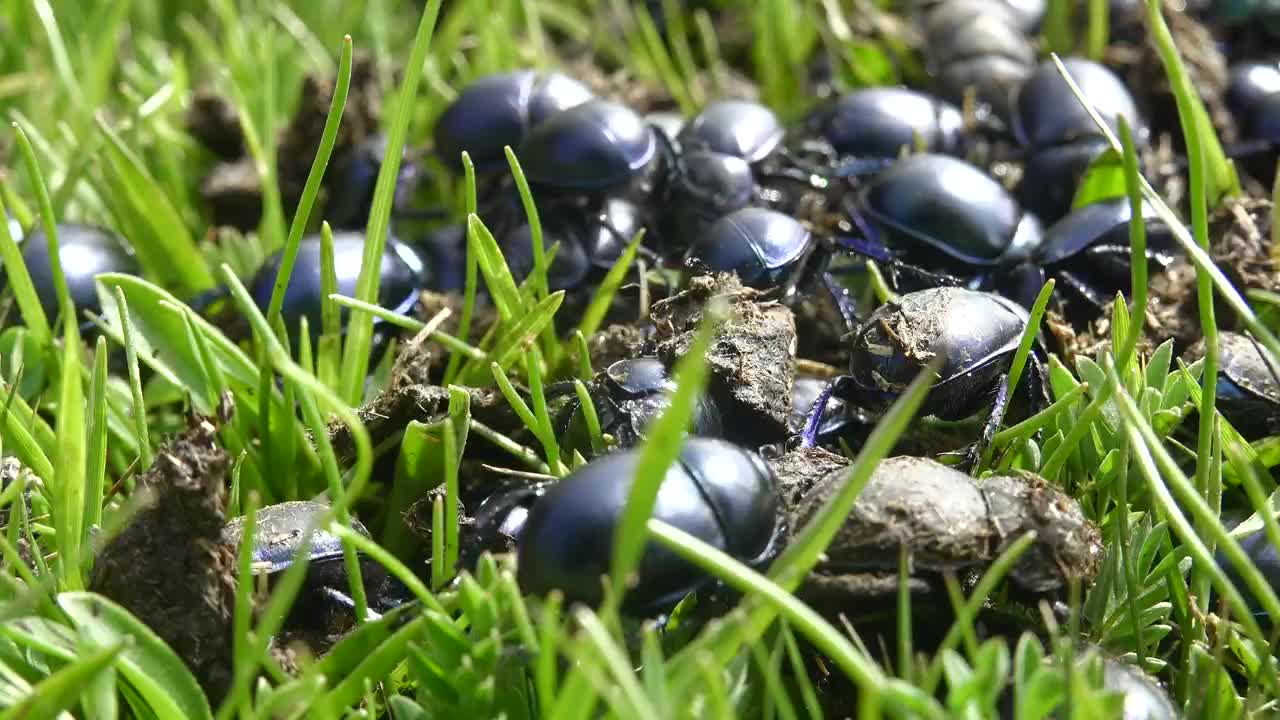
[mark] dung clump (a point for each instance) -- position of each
(170, 566)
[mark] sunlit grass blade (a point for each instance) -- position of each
(61, 690)
(829, 640)
(608, 288)
(661, 448)
(1163, 476)
(355, 361)
(328, 138)
(1137, 245)
(135, 379)
(19, 280)
(96, 472)
(1201, 259)
(1204, 150)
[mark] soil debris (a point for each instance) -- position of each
(899, 507)
(751, 358)
(170, 566)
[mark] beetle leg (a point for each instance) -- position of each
(857, 167)
(844, 303)
(837, 387)
(1082, 289)
(341, 599)
(989, 428)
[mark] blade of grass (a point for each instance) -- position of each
(660, 450)
(472, 273)
(829, 640)
(1137, 246)
(139, 413)
(19, 280)
(328, 138)
(96, 473)
(1204, 151)
(1198, 257)
(360, 330)
(63, 689)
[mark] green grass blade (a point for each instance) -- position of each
(19, 280)
(61, 690)
(68, 481)
(149, 666)
(164, 245)
(135, 380)
(360, 330)
(1137, 245)
(96, 472)
(312, 188)
(1204, 150)
(660, 450)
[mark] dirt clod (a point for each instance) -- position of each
(751, 358)
(170, 567)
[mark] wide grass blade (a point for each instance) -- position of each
(149, 666)
(61, 690)
(19, 280)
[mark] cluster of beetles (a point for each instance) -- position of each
(792, 212)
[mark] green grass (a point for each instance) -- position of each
(95, 95)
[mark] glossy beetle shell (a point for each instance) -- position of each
(1052, 174)
(761, 246)
(741, 128)
(1248, 84)
(631, 394)
(596, 146)
(84, 252)
(403, 276)
(1102, 222)
(1048, 112)
(1248, 386)
(499, 110)
(279, 533)
(880, 122)
(1144, 698)
(975, 334)
(952, 207)
(707, 186)
(720, 493)
(978, 44)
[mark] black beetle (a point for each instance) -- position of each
(85, 251)
(1253, 97)
(353, 179)
(279, 534)
(704, 187)
(1088, 251)
(1257, 546)
(500, 110)
(978, 44)
(404, 275)
(948, 217)
(1248, 387)
(628, 396)
(1248, 85)
(879, 122)
(1144, 698)
(740, 128)
(596, 147)
(948, 521)
(975, 333)
(765, 248)
(718, 492)
(1060, 137)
